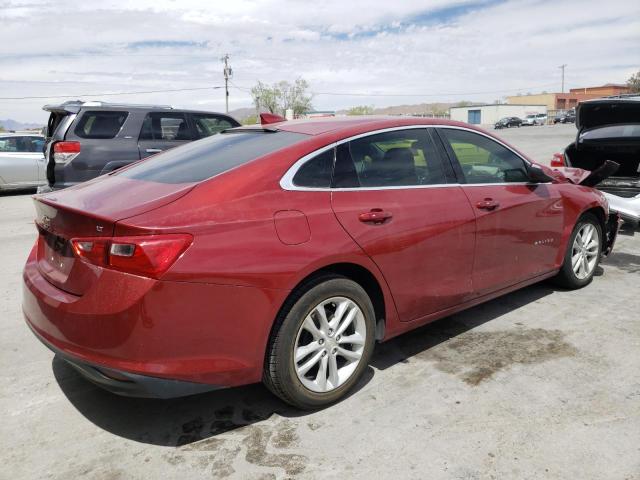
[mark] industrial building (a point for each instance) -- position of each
(567, 101)
(490, 114)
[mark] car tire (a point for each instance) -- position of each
(574, 274)
(293, 346)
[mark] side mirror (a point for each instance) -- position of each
(537, 174)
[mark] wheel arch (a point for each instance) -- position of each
(360, 275)
(600, 214)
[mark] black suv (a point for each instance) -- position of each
(87, 139)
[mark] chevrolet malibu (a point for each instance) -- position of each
(282, 253)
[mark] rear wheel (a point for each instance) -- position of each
(583, 253)
(322, 344)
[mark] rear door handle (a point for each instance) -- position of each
(153, 150)
(376, 215)
(487, 204)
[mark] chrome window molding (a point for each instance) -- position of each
(286, 182)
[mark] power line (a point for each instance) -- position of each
(105, 94)
(361, 94)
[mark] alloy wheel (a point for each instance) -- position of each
(585, 251)
(330, 344)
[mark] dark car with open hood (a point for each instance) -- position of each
(608, 129)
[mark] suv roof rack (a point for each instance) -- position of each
(77, 104)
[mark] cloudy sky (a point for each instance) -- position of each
(353, 52)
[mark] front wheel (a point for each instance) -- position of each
(583, 253)
(321, 343)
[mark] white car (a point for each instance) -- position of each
(22, 162)
(541, 118)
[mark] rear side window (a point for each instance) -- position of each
(166, 127)
(207, 125)
(197, 161)
(316, 173)
(101, 124)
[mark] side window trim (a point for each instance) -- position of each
(286, 182)
(451, 156)
(445, 158)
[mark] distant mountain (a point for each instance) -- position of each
(241, 114)
(9, 124)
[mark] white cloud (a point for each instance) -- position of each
(430, 49)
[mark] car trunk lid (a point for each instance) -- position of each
(91, 209)
(607, 111)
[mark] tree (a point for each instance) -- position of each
(634, 82)
(282, 96)
(361, 110)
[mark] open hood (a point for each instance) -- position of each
(579, 176)
(607, 111)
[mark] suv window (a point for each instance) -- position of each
(484, 160)
(207, 125)
(100, 124)
(398, 158)
(165, 126)
(211, 156)
(316, 173)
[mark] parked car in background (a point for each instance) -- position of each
(565, 117)
(22, 163)
(608, 129)
(88, 139)
(541, 118)
(529, 120)
(282, 253)
(508, 122)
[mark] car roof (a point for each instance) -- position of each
(74, 106)
(322, 125)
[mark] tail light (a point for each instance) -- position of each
(146, 255)
(64, 152)
(558, 160)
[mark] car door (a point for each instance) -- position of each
(519, 223)
(162, 131)
(19, 160)
(390, 192)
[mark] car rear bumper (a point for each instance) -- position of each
(147, 332)
(129, 384)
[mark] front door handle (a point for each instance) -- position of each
(376, 215)
(153, 150)
(487, 204)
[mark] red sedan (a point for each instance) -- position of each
(283, 252)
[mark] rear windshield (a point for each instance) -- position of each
(100, 124)
(197, 161)
(612, 132)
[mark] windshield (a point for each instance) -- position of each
(197, 161)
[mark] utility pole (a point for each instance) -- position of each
(562, 67)
(228, 73)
